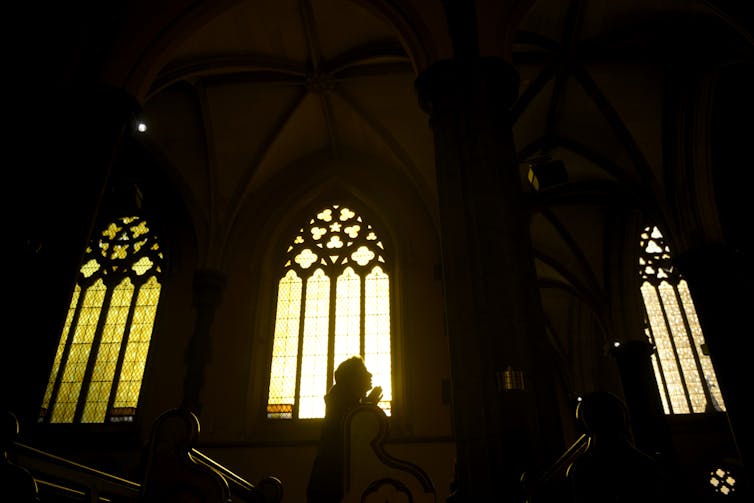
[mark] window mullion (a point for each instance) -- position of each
(300, 353)
(94, 349)
(331, 273)
(362, 315)
(122, 352)
(65, 355)
(692, 343)
(658, 360)
(675, 349)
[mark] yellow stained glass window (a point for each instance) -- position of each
(683, 370)
(333, 302)
(99, 364)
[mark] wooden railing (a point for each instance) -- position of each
(77, 482)
(371, 473)
(547, 486)
(175, 471)
(269, 489)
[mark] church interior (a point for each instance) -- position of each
(501, 205)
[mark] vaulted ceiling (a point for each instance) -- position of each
(265, 86)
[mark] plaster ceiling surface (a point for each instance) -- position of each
(266, 85)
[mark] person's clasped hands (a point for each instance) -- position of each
(374, 396)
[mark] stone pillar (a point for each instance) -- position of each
(493, 311)
(209, 285)
(651, 432)
(68, 142)
(720, 280)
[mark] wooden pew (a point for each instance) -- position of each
(371, 473)
(176, 472)
(33, 475)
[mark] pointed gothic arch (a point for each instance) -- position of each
(99, 364)
(683, 369)
(333, 301)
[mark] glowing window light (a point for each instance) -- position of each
(348, 316)
(99, 363)
(683, 371)
(352, 286)
(313, 383)
(377, 330)
(722, 481)
(285, 348)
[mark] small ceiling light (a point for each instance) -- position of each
(616, 344)
(141, 126)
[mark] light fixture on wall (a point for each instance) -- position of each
(544, 172)
(510, 379)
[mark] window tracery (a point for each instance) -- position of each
(682, 368)
(99, 364)
(333, 302)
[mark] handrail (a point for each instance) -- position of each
(267, 489)
(537, 488)
(224, 471)
(68, 492)
(176, 429)
(60, 473)
(574, 450)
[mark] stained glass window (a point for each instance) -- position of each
(683, 368)
(98, 367)
(333, 302)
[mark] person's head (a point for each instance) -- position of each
(353, 374)
(603, 413)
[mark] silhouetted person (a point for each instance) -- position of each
(352, 381)
(612, 469)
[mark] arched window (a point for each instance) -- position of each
(97, 371)
(333, 302)
(682, 366)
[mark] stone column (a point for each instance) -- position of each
(209, 285)
(68, 142)
(493, 312)
(720, 280)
